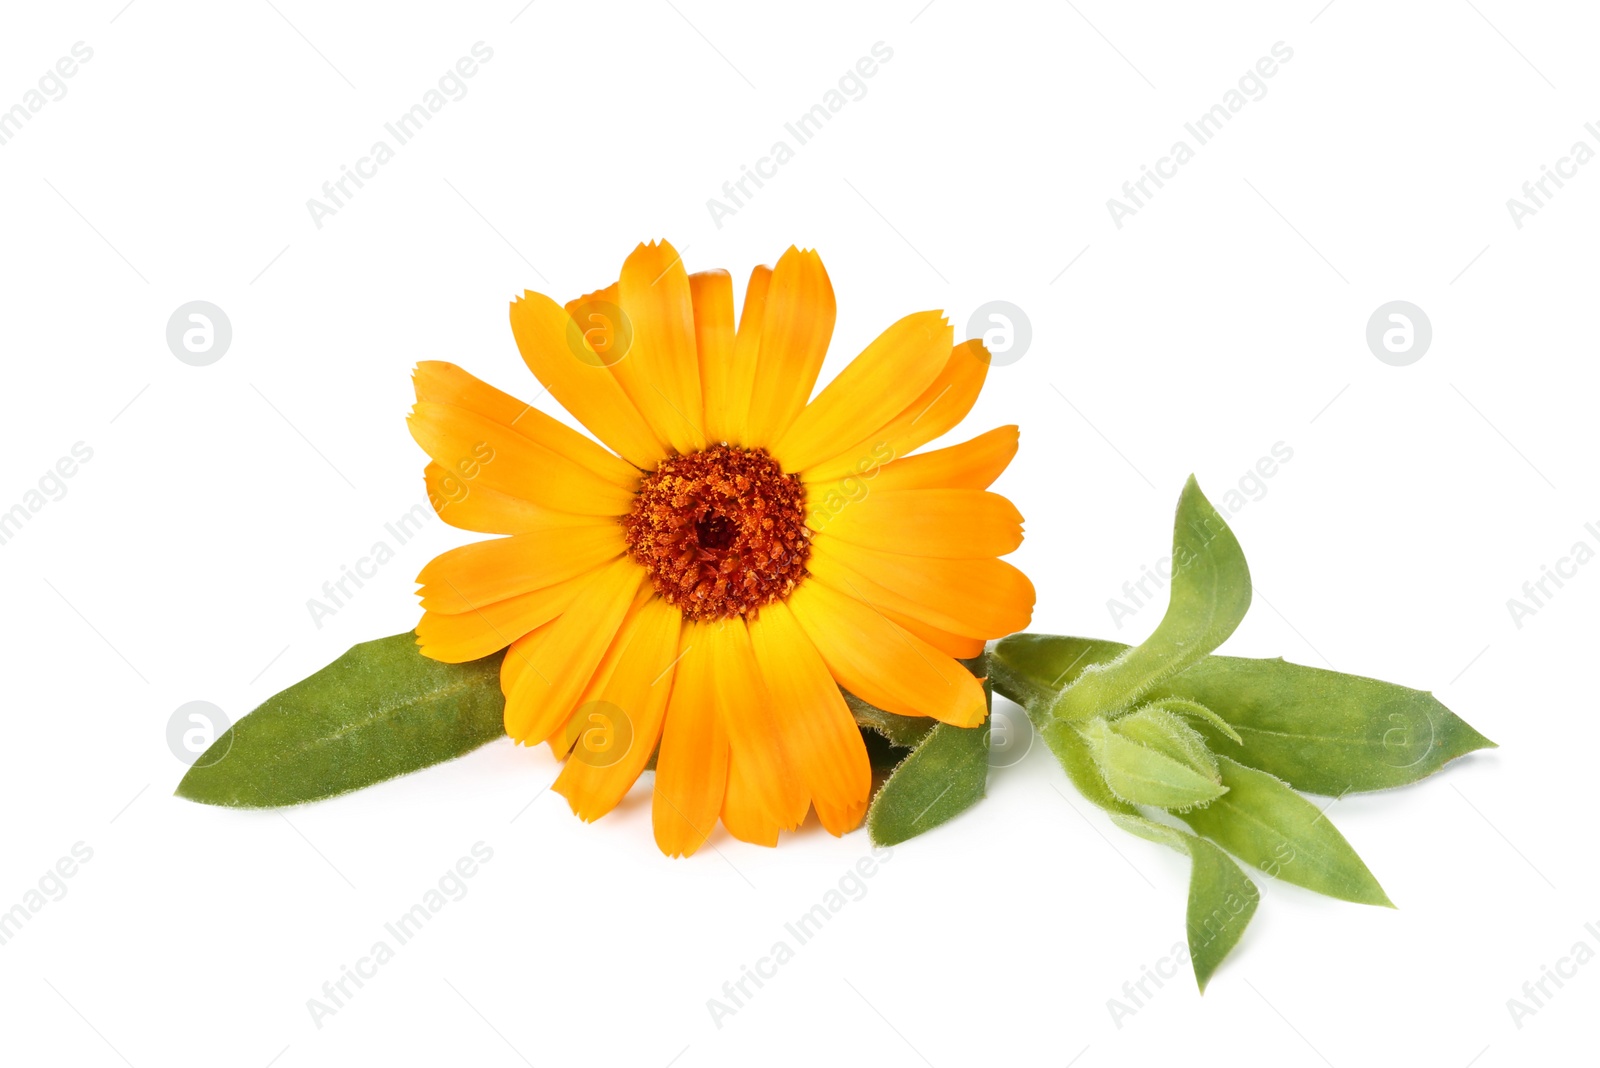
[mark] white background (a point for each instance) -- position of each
(1226, 316)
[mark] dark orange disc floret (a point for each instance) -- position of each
(721, 532)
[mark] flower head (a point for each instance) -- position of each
(700, 583)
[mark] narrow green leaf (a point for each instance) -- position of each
(1209, 596)
(1174, 776)
(1325, 731)
(1321, 731)
(1222, 899)
(1263, 822)
(380, 710)
(944, 776)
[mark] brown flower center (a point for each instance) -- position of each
(721, 532)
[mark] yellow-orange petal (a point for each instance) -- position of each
(712, 293)
(692, 768)
(515, 464)
(473, 576)
(634, 682)
(872, 389)
(553, 347)
(819, 735)
(661, 372)
(559, 659)
(945, 402)
(841, 820)
(952, 523)
(565, 736)
(982, 598)
(973, 464)
(466, 503)
(883, 664)
(743, 811)
(734, 418)
(957, 645)
(769, 796)
(514, 665)
(597, 329)
(460, 637)
(796, 325)
(444, 383)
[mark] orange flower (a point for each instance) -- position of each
(733, 553)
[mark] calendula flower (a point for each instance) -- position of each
(730, 553)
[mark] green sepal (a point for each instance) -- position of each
(903, 732)
(380, 710)
(1077, 760)
(1154, 726)
(1195, 710)
(1153, 758)
(1263, 822)
(1210, 594)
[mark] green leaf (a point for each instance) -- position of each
(1153, 758)
(944, 776)
(1263, 822)
(1209, 596)
(1221, 901)
(1321, 731)
(1325, 731)
(380, 710)
(1222, 898)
